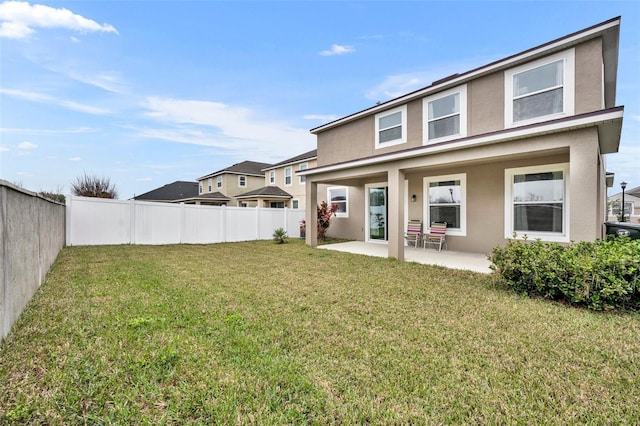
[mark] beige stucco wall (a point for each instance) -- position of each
(485, 111)
(231, 184)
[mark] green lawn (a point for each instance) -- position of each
(284, 334)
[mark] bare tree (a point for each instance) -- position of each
(94, 186)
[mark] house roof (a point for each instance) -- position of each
(297, 159)
(172, 191)
(266, 192)
(212, 196)
(609, 31)
(253, 168)
(634, 192)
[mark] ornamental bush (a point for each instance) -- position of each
(600, 275)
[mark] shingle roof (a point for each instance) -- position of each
(266, 191)
(243, 168)
(211, 196)
(306, 156)
(170, 192)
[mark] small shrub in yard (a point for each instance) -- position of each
(599, 275)
(280, 236)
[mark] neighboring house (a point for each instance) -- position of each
(221, 187)
(171, 193)
(283, 187)
(515, 146)
(631, 205)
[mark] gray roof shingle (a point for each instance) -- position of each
(266, 191)
(170, 192)
(306, 156)
(244, 168)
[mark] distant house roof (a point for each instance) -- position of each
(298, 158)
(244, 168)
(170, 192)
(265, 192)
(212, 196)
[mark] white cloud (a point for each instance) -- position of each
(145, 179)
(321, 117)
(77, 130)
(27, 145)
(4, 149)
(18, 20)
(75, 159)
(338, 49)
(224, 126)
(42, 98)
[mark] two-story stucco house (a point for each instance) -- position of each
(515, 146)
(221, 187)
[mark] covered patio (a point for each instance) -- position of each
(476, 262)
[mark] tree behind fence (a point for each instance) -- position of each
(94, 221)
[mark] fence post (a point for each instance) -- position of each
(285, 214)
(223, 223)
(257, 222)
(68, 213)
(132, 222)
(182, 222)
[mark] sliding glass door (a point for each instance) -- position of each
(377, 210)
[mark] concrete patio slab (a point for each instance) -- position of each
(477, 262)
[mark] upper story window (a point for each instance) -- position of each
(200, 189)
(445, 115)
(242, 181)
(272, 177)
(540, 90)
(287, 176)
(210, 184)
(391, 127)
(303, 166)
(219, 182)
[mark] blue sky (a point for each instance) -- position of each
(147, 93)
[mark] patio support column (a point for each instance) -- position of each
(311, 216)
(395, 182)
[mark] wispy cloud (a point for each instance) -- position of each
(18, 20)
(27, 145)
(47, 99)
(320, 117)
(224, 126)
(338, 49)
(75, 159)
(76, 130)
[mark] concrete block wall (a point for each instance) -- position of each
(32, 233)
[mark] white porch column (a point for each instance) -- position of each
(311, 213)
(395, 182)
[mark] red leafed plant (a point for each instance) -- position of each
(324, 218)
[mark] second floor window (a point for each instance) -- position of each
(391, 127)
(287, 176)
(219, 182)
(242, 181)
(445, 115)
(304, 166)
(210, 183)
(540, 90)
(272, 177)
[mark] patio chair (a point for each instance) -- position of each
(436, 235)
(413, 236)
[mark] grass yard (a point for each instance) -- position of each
(284, 334)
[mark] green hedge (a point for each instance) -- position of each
(599, 275)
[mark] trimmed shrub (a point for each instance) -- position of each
(600, 275)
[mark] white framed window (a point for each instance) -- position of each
(210, 184)
(614, 209)
(242, 181)
(445, 115)
(219, 182)
(276, 204)
(339, 195)
(200, 189)
(303, 166)
(537, 202)
(445, 200)
(272, 177)
(540, 90)
(391, 127)
(287, 176)
(295, 204)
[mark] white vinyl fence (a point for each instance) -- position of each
(96, 221)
